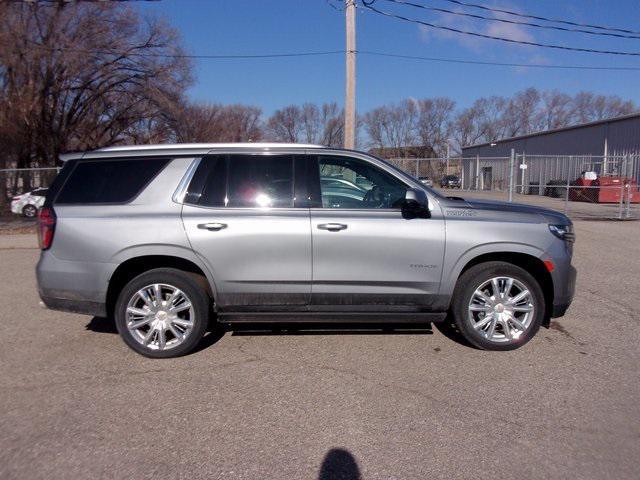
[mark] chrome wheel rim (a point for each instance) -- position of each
(501, 309)
(160, 316)
(29, 211)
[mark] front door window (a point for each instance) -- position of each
(351, 183)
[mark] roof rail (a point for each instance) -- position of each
(195, 147)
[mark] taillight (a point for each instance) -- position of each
(46, 227)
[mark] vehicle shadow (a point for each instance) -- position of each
(108, 325)
(339, 464)
(102, 325)
(449, 330)
(216, 331)
(260, 329)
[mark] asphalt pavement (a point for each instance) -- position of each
(75, 402)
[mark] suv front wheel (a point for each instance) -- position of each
(162, 313)
(498, 306)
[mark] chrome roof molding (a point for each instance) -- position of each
(181, 148)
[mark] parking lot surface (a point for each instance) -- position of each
(76, 403)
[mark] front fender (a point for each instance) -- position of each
(455, 265)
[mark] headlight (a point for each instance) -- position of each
(563, 232)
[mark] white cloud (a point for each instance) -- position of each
(537, 59)
(477, 44)
(509, 31)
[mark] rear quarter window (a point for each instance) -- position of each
(108, 181)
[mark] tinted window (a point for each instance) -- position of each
(108, 181)
(260, 181)
(243, 181)
(352, 183)
(209, 184)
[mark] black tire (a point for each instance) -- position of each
(470, 280)
(187, 283)
(29, 211)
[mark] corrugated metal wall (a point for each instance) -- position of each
(482, 173)
(623, 137)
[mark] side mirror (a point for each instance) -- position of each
(416, 204)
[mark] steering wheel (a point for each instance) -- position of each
(374, 197)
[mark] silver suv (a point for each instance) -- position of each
(164, 238)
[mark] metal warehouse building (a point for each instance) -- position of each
(608, 147)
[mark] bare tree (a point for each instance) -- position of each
(556, 110)
(309, 123)
(589, 107)
(467, 128)
(484, 121)
(332, 121)
(285, 125)
(216, 123)
(392, 126)
(529, 111)
(84, 75)
(434, 123)
(521, 114)
(242, 123)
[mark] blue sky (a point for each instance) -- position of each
(277, 26)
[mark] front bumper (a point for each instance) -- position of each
(564, 292)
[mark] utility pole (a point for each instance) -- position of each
(448, 153)
(350, 97)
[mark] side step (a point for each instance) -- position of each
(330, 317)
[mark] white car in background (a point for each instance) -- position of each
(28, 204)
(426, 181)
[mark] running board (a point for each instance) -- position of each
(330, 317)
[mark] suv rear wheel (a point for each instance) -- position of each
(162, 313)
(498, 306)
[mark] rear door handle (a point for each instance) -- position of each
(215, 226)
(332, 227)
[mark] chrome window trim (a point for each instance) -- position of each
(181, 191)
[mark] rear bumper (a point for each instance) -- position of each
(78, 287)
(84, 307)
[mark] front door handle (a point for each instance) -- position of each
(214, 227)
(332, 227)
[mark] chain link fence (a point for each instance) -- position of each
(584, 187)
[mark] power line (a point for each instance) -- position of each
(334, 6)
(545, 19)
(500, 64)
(196, 56)
(514, 22)
(502, 39)
(341, 52)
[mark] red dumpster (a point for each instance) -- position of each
(611, 188)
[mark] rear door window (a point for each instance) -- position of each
(243, 181)
(108, 181)
(260, 181)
